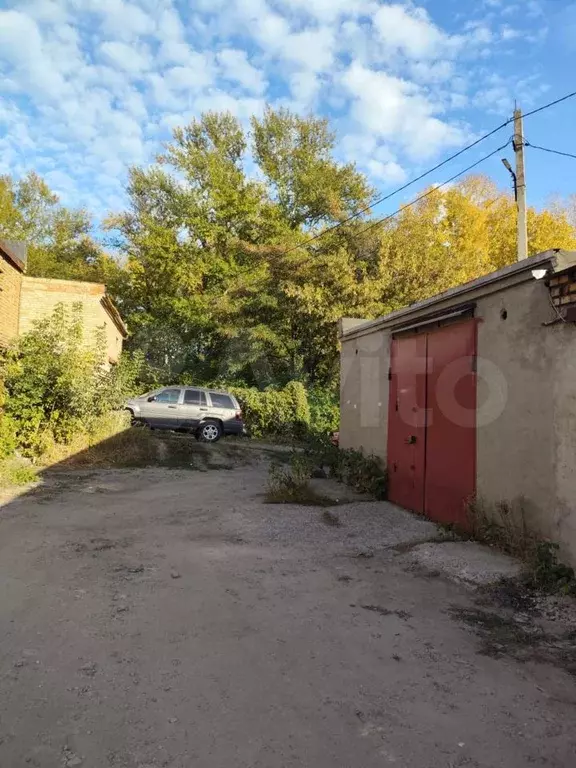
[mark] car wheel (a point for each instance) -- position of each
(210, 432)
(134, 422)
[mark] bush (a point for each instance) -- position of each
(289, 485)
(324, 410)
(16, 472)
(56, 385)
(275, 412)
(363, 473)
(7, 436)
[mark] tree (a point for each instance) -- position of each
(59, 239)
(458, 234)
(212, 253)
(225, 277)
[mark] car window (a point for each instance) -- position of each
(221, 401)
(168, 396)
(194, 397)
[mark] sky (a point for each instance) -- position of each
(90, 87)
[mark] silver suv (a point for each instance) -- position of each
(205, 412)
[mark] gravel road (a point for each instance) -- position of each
(171, 618)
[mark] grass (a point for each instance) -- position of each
(140, 447)
(363, 473)
(289, 485)
(504, 527)
(16, 472)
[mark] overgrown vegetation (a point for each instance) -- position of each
(217, 279)
(504, 526)
(363, 473)
(57, 397)
(15, 471)
(290, 484)
(56, 387)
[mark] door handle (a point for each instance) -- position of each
(172, 406)
(203, 409)
(411, 440)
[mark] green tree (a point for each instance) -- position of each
(213, 263)
(223, 279)
(54, 380)
(59, 239)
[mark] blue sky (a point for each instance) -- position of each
(89, 87)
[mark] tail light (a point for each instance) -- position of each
(239, 415)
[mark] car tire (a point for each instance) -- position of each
(210, 431)
(134, 422)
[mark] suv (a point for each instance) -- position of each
(205, 412)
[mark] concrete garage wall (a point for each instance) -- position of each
(526, 435)
(364, 387)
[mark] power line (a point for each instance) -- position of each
(552, 151)
(434, 189)
(400, 189)
(550, 104)
(426, 173)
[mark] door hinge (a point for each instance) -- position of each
(390, 374)
(474, 364)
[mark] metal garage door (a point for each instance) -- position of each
(432, 421)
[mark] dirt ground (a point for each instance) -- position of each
(156, 617)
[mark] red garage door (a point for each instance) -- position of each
(432, 422)
(407, 422)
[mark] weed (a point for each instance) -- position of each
(504, 527)
(363, 473)
(548, 573)
(289, 485)
(15, 472)
(331, 519)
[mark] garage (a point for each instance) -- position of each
(471, 394)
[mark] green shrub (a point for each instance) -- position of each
(7, 436)
(281, 412)
(289, 485)
(324, 410)
(364, 473)
(56, 385)
(16, 472)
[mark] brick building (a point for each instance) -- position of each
(25, 299)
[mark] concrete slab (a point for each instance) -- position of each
(466, 561)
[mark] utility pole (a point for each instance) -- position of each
(520, 185)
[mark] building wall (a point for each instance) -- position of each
(41, 295)
(526, 434)
(10, 285)
(364, 389)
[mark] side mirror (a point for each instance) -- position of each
(151, 399)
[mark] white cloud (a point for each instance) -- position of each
(389, 172)
(235, 66)
(28, 65)
(97, 80)
(409, 31)
(326, 10)
(509, 33)
(132, 60)
(390, 107)
(304, 88)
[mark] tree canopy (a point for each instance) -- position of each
(219, 276)
(59, 239)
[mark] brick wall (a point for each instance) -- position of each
(10, 285)
(41, 295)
